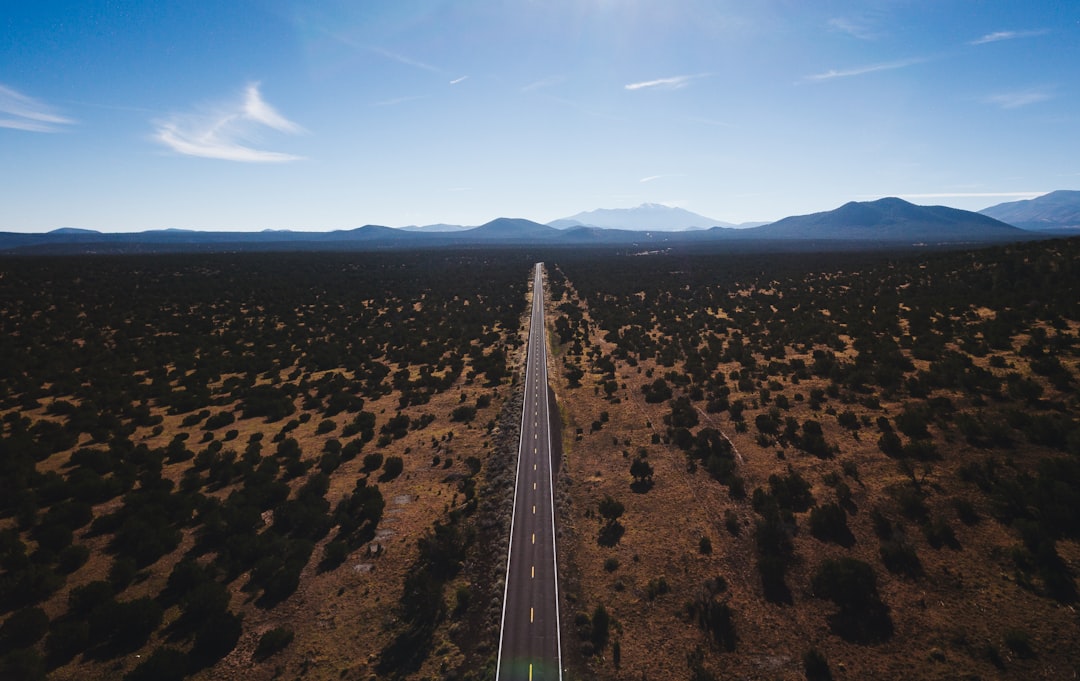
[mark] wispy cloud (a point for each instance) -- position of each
(1018, 99)
(22, 112)
(403, 59)
(399, 100)
(226, 132)
(543, 83)
(856, 28)
(708, 121)
(672, 83)
(998, 36)
(863, 70)
(459, 80)
(650, 178)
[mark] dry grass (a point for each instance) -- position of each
(944, 622)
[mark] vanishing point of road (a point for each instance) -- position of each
(529, 645)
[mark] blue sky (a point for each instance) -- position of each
(281, 114)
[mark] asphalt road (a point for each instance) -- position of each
(529, 644)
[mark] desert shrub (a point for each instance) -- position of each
(373, 461)
(125, 626)
(273, 641)
(463, 413)
(939, 533)
(1019, 641)
(900, 558)
(829, 523)
(72, 558)
(24, 664)
(657, 587)
(164, 664)
(392, 467)
(67, 638)
(815, 666)
(601, 623)
(852, 585)
(23, 628)
(215, 639)
(775, 551)
(219, 420)
(731, 523)
(272, 403)
(713, 615)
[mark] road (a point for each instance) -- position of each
(529, 642)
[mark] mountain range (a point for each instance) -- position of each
(648, 216)
(890, 219)
(1056, 211)
(884, 222)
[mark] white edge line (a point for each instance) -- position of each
(551, 474)
(513, 510)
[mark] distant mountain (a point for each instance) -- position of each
(648, 216)
(890, 219)
(74, 230)
(1054, 212)
(886, 222)
(509, 229)
(437, 228)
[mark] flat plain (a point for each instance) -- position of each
(786, 466)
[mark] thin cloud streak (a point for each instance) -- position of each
(459, 80)
(854, 28)
(650, 178)
(1016, 100)
(672, 83)
(863, 70)
(22, 112)
(998, 36)
(400, 58)
(543, 83)
(222, 135)
(399, 100)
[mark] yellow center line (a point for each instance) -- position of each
(534, 508)
(533, 572)
(534, 485)
(530, 671)
(534, 537)
(530, 615)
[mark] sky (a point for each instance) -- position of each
(318, 115)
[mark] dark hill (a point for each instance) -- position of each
(890, 219)
(509, 229)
